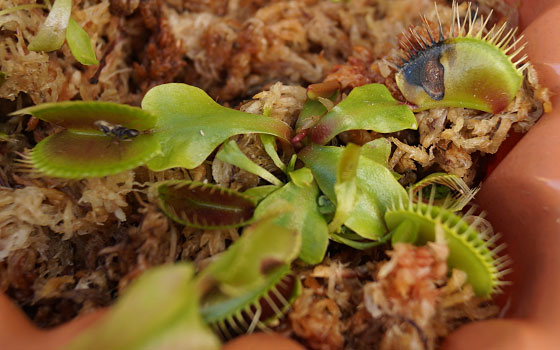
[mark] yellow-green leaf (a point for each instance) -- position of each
(191, 125)
(52, 32)
(80, 44)
(160, 310)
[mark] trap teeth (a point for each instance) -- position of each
(469, 250)
(469, 58)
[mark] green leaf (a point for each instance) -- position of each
(310, 114)
(81, 115)
(260, 192)
(302, 177)
(205, 206)
(405, 232)
(75, 155)
(378, 150)
(262, 246)
(52, 32)
(368, 107)
(355, 243)
(158, 311)
(304, 218)
(345, 186)
(377, 189)
(233, 155)
(269, 143)
(191, 125)
(80, 43)
(292, 163)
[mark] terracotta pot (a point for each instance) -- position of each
(522, 198)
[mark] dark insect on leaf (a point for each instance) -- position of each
(205, 206)
(118, 131)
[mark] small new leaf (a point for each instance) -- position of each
(312, 111)
(377, 189)
(80, 44)
(233, 155)
(368, 107)
(52, 32)
(345, 186)
(269, 143)
(305, 218)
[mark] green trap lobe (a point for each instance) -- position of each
(82, 115)
(203, 205)
(72, 155)
(467, 249)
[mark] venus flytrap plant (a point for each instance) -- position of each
(251, 285)
(304, 219)
(347, 194)
(377, 188)
(179, 126)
